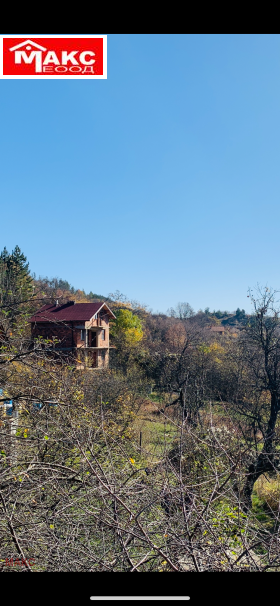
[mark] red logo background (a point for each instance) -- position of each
(52, 44)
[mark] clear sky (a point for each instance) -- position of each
(162, 181)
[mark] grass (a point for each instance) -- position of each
(157, 434)
(268, 492)
(156, 397)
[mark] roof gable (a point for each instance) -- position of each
(69, 312)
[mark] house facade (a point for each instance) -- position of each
(219, 330)
(79, 329)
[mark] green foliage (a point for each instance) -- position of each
(93, 296)
(240, 314)
(220, 314)
(127, 326)
(15, 280)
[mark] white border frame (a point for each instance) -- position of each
(60, 76)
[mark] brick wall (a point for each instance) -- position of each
(47, 330)
(69, 335)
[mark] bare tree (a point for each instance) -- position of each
(181, 311)
(261, 349)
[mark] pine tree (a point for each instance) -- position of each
(15, 280)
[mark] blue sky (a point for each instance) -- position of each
(162, 181)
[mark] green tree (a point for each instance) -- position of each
(127, 327)
(15, 280)
(240, 314)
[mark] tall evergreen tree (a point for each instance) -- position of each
(15, 280)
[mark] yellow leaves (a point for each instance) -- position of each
(52, 526)
(213, 348)
(216, 347)
(134, 335)
(25, 433)
(128, 325)
(132, 461)
(204, 349)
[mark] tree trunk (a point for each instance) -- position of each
(265, 461)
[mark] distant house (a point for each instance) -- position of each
(225, 330)
(218, 329)
(81, 329)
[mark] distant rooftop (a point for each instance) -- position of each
(217, 328)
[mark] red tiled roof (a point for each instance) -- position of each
(68, 312)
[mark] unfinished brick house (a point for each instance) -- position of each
(79, 329)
